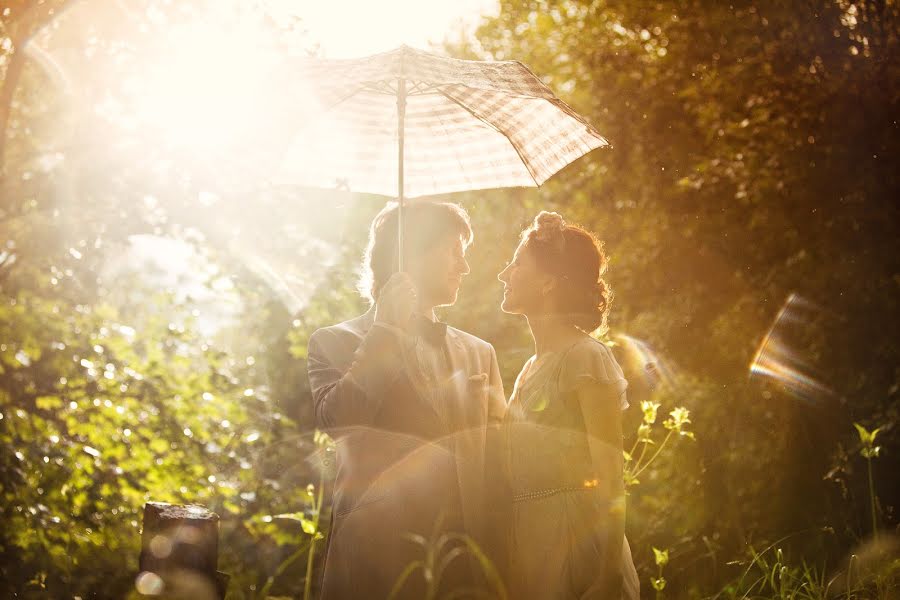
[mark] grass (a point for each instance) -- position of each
(872, 574)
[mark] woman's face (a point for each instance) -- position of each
(523, 285)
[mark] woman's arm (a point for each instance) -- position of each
(600, 404)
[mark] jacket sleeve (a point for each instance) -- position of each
(353, 395)
(496, 486)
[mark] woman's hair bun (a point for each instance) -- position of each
(548, 225)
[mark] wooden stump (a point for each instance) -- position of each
(179, 553)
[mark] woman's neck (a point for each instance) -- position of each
(551, 333)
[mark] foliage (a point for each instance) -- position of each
(769, 574)
(751, 164)
(100, 417)
(676, 423)
(439, 551)
(869, 451)
(310, 520)
(114, 390)
(661, 558)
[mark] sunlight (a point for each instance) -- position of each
(176, 266)
(360, 28)
(197, 107)
(198, 81)
(189, 188)
(214, 81)
(202, 90)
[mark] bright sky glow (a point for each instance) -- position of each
(203, 82)
(203, 86)
(190, 91)
(361, 27)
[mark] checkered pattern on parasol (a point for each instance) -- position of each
(467, 125)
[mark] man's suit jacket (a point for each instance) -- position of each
(400, 462)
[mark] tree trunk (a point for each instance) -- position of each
(179, 553)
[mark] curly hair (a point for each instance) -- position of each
(577, 258)
(425, 223)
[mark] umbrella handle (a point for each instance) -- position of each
(401, 118)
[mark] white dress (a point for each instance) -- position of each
(558, 540)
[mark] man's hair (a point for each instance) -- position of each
(425, 224)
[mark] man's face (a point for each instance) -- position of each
(439, 272)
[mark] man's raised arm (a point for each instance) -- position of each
(352, 396)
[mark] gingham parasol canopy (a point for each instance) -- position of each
(442, 124)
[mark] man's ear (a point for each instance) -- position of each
(412, 262)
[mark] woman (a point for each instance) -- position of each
(563, 440)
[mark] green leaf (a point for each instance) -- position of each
(48, 402)
(309, 527)
(867, 438)
(661, 557)
(872, 452)
(650, 410)
(864, 436)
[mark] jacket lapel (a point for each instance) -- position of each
(469, 406)
(458, 398)
(414, 376)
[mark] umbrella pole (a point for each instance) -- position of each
(401, 118)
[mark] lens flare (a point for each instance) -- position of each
(639, 357)
(777, 357)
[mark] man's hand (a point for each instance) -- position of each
(396, 302)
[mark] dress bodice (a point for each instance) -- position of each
(546, 441)
(556, 502)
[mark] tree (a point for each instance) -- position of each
(113, 390)
(751, 166)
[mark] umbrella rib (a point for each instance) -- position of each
(497, 129)
(331, 106)
(381, 87)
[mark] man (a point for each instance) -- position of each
(409, 402)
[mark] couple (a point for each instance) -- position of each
(431, 457)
